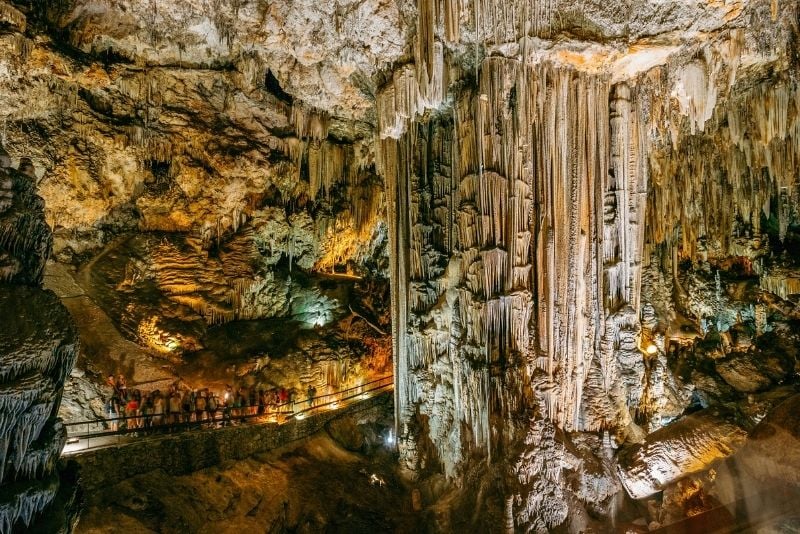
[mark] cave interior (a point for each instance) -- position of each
(496, 266)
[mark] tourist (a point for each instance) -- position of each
(112, 412)
(187, 406)
(262, 404)
(146, 411)
(131, 411)
(310, 394)
(212, 407)
(200, 406)
(253, 398)
(137, 395)
(158, 409)
(111, 381)
(122, 387)
(237, 404)
(174, 407)
(244, 399)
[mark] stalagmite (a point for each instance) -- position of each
(38, 347)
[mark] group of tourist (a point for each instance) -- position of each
(135, 409)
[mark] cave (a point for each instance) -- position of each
(519, 266)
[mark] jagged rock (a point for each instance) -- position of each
(749, 372)
(25, 238)
(689, 445)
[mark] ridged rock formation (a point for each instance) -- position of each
(688, 446)
(38, 347)
(526, 205)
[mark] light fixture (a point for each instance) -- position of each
(652, 349)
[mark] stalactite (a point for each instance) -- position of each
(310, 123)
(748, 171)
(529, 155)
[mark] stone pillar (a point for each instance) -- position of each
(38, 347)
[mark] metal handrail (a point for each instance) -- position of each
(227, 417)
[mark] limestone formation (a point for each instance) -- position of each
(38, 347)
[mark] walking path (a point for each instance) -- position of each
(101, 342)
(87, 436)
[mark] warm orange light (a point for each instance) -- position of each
(652, 349)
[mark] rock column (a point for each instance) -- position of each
(38, 347)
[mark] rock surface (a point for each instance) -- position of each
(38, 347)
(773, 451)
(690, 445)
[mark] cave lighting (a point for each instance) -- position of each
(333, 405)
(651, 349)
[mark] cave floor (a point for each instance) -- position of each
(313, 486)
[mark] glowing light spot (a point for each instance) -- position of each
(652, 349)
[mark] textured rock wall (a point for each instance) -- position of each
(38, 347)
(531, 182)
(522, 272)
(143, 117)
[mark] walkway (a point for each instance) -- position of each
(101, 341)
(87, 436)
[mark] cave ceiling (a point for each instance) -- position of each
(108, 96)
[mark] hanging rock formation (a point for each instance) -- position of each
(38, 347)
(525, 206)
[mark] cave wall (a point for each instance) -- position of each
(146, 118)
